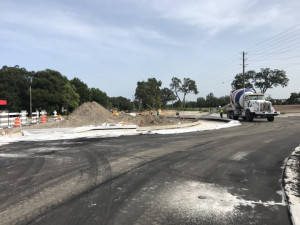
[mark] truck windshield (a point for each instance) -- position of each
(257, 97)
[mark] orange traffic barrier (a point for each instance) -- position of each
(44, 119)
(17, 122)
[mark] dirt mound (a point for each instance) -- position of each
(89, 113)
(150, 120)
(92, 113)
(287, 108)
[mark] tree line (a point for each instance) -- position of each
(53, 91)
(50, 90)
(150, 94)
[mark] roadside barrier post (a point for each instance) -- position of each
(17, 122)
(44, 116)
(55, 115)
(43, 119)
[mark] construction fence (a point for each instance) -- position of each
(8, 119)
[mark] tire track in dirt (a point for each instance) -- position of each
(93, 173)
(23, 187)
(97, 163)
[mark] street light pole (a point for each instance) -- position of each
(244, 79)
(30, 98)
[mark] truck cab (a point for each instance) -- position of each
(256, 105)
(248, 105)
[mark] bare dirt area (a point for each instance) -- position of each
(287, 108)
(92, 113)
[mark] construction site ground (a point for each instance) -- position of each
(244, 192)
(92, 113)
(188, 178)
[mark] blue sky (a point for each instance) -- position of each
(112, 44)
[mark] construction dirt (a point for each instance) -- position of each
(92, 113)
(287, 108)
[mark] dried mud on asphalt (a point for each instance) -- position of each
(193, 178)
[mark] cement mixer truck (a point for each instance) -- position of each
(248, 105)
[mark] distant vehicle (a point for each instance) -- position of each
(248, 105)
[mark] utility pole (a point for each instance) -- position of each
(132, 103)
(244, 79)
(30, 97)
(244, 70)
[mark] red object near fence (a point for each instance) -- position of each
(3, 102)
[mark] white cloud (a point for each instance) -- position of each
(218, 15)
(48, 26)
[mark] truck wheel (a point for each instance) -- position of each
(270, 119)
(232, 115)
(228, 114)
(249, 116)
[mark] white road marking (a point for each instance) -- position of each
(239, 155)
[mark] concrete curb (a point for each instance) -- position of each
(203, 118)
(290, 184)
(168, 126)
(216, 119)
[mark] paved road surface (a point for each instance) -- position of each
(228, 176)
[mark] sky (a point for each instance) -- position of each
(113, 44)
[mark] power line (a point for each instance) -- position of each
(271, 53)
(282, 46)
(273, 37)
(271, 59)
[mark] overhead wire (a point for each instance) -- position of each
(282, 46)
(273, 37)
(278, 51)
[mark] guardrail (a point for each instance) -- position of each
(7, 119)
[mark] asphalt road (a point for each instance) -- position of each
(227, 176)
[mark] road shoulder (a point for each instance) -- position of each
(292, 185)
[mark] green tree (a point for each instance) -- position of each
(201, 102)
(100, 97)
(175, 86)
(191, 104)
(238, 81)
(70, 98)
(148, 93)
(185, 87)
(47, 90)
(264, 80)
(211, 100)
(294, 98)
(82, 89)
(188, 86)
(14, 87)
(121, 103)
(166, 96)
(224, 100)
(267, 78)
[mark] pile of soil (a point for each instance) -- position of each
(153, 120)
(92, 113)
(89, 113)
(287, 108)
